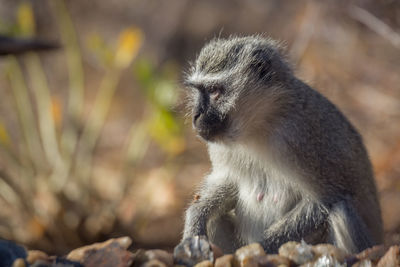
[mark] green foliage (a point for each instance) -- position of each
(163, 125)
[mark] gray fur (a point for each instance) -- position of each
(286, 164)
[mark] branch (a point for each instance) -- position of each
(375, 25)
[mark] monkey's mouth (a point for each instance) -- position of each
(210, 131)
(206, 134)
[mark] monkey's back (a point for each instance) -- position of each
(322, 139)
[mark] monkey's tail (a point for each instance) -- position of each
(347, 229)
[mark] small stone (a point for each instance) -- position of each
(10, 251)
(110, 253)
(247, 256)
(193, 250)
(161, 255)
(273, 260)
(299, 253)
(154, 263)
(123, 242)
(139, 257)
(330, 250)
(40, 263)
(19, 263)
(63, 262)
(224, 261)
(79, 253)
(35, 255)
(391, 258)
(373, 254)
(204, 264)
(363, 263)
(324, 261)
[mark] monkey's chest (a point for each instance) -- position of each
(261, 204)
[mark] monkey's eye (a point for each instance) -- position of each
(215, 91)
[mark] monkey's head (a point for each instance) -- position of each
(237, 85)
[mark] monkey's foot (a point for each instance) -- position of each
(193, 250)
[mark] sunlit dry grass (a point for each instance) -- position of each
(51, 187)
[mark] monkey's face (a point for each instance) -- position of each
(208, 118)
(233, 87)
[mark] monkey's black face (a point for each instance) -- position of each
(208, 121)
(233, 85)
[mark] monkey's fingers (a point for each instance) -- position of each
(193, 250)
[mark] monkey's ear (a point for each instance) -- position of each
(261, 63)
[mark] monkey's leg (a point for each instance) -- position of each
(298, 223)
(212, 200)
(222, 232)
(347, 229)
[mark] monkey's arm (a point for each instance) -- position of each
(211, 200)
(302, 220)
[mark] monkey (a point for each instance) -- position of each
(286, 164)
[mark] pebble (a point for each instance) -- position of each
(363, 263)
(224, 261)
(324, 261)
(19, 263)
(391, 258)
(273, 261)
(160, 255)
(10, 252)
(36, 255)
(247, 256)
(373, 254)
(299, 253)
(154, 263)
(204, 264)
(110, 253)
(79, 253)
(330, 250)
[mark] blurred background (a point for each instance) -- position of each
(94, 141)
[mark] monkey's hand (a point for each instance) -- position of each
(193, 250)
(212, 200)
(297, 224)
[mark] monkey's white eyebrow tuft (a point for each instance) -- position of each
(189, 84)
(207, 79)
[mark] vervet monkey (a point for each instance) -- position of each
(286, 163)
